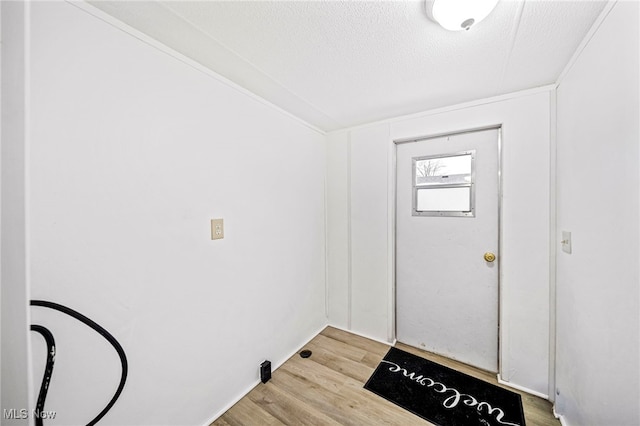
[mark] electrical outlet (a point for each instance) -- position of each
(566, 242)
(217, 229)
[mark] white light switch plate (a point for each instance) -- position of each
(566, 242)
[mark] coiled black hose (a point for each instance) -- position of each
(48, 370)
(104, 333)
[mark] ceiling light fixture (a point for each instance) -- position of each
(456, 15)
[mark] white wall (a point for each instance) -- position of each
(358, 266)
(133, 152)
(598, 131)
(525, 230)
(369, 219)
(15, 369)
(338, 275)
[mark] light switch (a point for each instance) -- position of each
(217, 229)
(566, 242)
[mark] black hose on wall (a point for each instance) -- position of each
(48, 370)
(51, 356)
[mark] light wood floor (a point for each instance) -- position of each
(327, 389)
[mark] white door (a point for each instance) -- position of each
(447, 220)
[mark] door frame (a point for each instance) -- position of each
(393, 179)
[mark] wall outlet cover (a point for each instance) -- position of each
(217, 229)
(566, 242)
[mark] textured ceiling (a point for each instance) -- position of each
(337, 64)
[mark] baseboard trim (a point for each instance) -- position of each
(257, 382)
(375, 339)
(522, 388)
(560, 417)
(231, 404)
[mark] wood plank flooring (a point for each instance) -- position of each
(327, 389)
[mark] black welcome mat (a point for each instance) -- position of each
(441, 395)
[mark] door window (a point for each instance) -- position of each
(443, 185)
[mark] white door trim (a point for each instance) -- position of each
(392, 196)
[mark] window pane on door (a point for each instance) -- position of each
(443, 199)
(454, 169)
(443, 185)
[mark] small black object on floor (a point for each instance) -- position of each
(265, 371)
(441, 395)
(306, 353)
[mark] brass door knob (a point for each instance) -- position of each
(489, 257)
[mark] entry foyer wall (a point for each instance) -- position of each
(132, 152)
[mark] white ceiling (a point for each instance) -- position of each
(337, 64)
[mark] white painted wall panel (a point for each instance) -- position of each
(338, 276)
(14, 242)
(133, 152)
(369, 237)
(598, 372)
